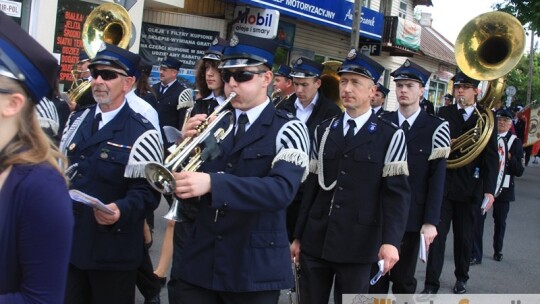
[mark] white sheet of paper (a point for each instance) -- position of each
(422, 252)
(88, 200)
(484, 205)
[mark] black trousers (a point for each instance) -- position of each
(478, 237)
(500, 212)
(147, 282)
(402, 274)
(460, 214)
(100, 286)
(318, 276)
(182, 292)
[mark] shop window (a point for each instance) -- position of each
(402, 9)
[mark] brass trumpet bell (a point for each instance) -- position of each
(160, 178)
(490, 45)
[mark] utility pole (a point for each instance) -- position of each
(531, 56)
(357, 14)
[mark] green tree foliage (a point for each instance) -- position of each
(518, 78)
(527, 11)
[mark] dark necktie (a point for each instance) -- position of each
(405, 127)
(163, 88)
(241, 129)
(463, 113)
(212, 106)
(350, 133)
(95, 123)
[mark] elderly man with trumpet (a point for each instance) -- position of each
(237, 251)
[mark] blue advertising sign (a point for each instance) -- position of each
(337, 14)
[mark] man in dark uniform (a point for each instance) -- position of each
(377, 102)
(428, 145)
(108, 146)
(168, 90)
(310, 106)
(354, 209)
(427, 106)
(237, 251)
(501, 206)
(465, 187)
(282, 84)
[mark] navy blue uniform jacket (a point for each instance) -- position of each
(102, 160)
(239, 240)
(426, 177)
(514, 167)
(367, 208)
(460, 184)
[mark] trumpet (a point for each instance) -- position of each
(276, 93)
(191, 152)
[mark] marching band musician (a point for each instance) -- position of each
(210, 85)
(36, 222)
(83, 75)
(168, 89)
(310, 106)
(237, 251)
(428, 146)
(465, 187)
(282, 84)
(378, 100)
(356, 199)
(108, 146)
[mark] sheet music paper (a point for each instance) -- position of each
(88, 200)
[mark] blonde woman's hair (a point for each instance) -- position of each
(31, 145)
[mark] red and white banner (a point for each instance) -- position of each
(531, 116)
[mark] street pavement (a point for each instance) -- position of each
(517, 273)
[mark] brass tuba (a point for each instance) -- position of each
(487, 48)
(110, 23)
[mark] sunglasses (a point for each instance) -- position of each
(239, 76)
(106, 74)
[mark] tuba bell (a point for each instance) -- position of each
(487, 48)
(108, 22)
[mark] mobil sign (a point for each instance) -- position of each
(256, 22)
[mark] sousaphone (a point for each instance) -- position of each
(487, 48)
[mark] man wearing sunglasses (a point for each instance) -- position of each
(107, 147)
(237, 251)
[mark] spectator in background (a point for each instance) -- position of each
(36, 221)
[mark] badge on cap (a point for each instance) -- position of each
(299, 61)
(215, 42)
(407, 63)
(234, 40)
(351, 55)
(372, 128)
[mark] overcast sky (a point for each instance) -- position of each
(449, 17)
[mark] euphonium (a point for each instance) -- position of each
(192, 151)
(110, 23)
(487, 48)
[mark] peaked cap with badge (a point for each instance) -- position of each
(360, 64)
(462, 78)
(171, 63)
(411, 71)
(215, 51)
(113, 56)
(245, 50)
(384, 90)
(284, 71)
(24, 59)
(306, 68)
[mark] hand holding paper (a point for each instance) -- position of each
(487, 202)
(423, 251)
(88, 200)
